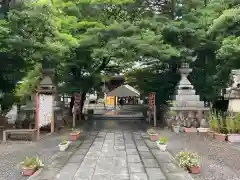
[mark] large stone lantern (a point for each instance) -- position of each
(188, 105)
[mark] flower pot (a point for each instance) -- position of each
(28, 171)
(63, 147)
(190, 130)
(203, 130)
(211, 133)
(74, 135)
(194, 169)
(234, 138)
(220, 137)
(162, 147)
(153, 137)
(151, 132)
(181, 129)
(176, 129)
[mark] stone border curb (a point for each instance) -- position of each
(32, 177)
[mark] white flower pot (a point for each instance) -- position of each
(176, 129)
(234, 138)
(162, 147)
(203, 129)
(63, 147)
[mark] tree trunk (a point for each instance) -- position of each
(83, 98)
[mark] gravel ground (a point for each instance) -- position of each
(220, 160)
(12, 153)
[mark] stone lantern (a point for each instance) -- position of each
(188, 106)
(46, 87)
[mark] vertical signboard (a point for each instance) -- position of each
(152, 106)
(45, 110)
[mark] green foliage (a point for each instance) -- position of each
(84, 39)
(32, 162)
(29, 83)
(233, 123)
(188, 159)
(213, 121)
(163, 140)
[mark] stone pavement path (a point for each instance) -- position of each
(220, 160)
(120, 155)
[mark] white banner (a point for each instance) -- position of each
(45, 109)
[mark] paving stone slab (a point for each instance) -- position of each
(146, 155)
(87, 142)
(178, 176)
(155, 174)
(107, 149)
(120, 154)
(95, 148)
(101, 177)
(136, 168)
(138, 176)
(170, 168)
(81, 151)
(131, 151)
(119, 170)
(104, 155)
(150, 163)
(120, 177)
(48, 173)
(119, 148)
(119, 144)
(60, 160)
(119, 162)
(97, 143)
(84, 173)
(133, 158)
(104, 167)
(164, 159)
(78, 158)
(91, 163)
(93, 155)
(140, 142)
(94, 133)
(85, 146)
(142, 148)
(68, 171)
(130, 146)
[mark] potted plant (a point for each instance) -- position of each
(74, 134)
(30, 165)
(233, 127)
(162, 143)
(189, 161)
(213, 122)
(221, 131)
(152, 134)
(63, 144)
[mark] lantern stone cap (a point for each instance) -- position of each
(46, 81)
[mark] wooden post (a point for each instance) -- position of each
(37, 116)
(52, 122)
(149, 117)
(155, 115)
(74, 115)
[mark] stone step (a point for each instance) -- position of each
(117, 118)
